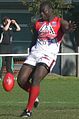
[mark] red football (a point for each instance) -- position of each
(8, 82)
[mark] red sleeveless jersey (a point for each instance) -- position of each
(49, 30)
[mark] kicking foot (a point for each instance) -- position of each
(26, 113)
(36, 103)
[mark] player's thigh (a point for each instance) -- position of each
(39, 73)
(24, 73)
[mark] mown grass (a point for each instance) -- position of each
(59, 99)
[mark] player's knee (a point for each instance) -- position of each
(21, 80)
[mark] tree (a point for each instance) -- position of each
(33, 6)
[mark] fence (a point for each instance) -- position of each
(59, 54)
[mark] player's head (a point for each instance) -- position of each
(46, 10)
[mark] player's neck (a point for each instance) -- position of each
(51, 17)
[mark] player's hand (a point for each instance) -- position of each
(13, 21)
(72, 26)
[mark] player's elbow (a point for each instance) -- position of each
(18, 29)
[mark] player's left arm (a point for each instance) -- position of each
(68, 26)
(18, 28)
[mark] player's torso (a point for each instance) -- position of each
(47, 33)
(48, 30)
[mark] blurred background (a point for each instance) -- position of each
(25, 13)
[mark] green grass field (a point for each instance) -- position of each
(59, 99)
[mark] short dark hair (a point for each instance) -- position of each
(45, 3)
(4, 19)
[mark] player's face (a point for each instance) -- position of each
(46, 12)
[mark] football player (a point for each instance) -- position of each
(48, 33)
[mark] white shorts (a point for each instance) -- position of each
(43, 53)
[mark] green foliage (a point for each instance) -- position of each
(34, 6)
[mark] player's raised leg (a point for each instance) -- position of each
(39, 74)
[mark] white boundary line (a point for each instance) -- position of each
(41, 102)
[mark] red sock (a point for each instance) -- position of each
(33, 95)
